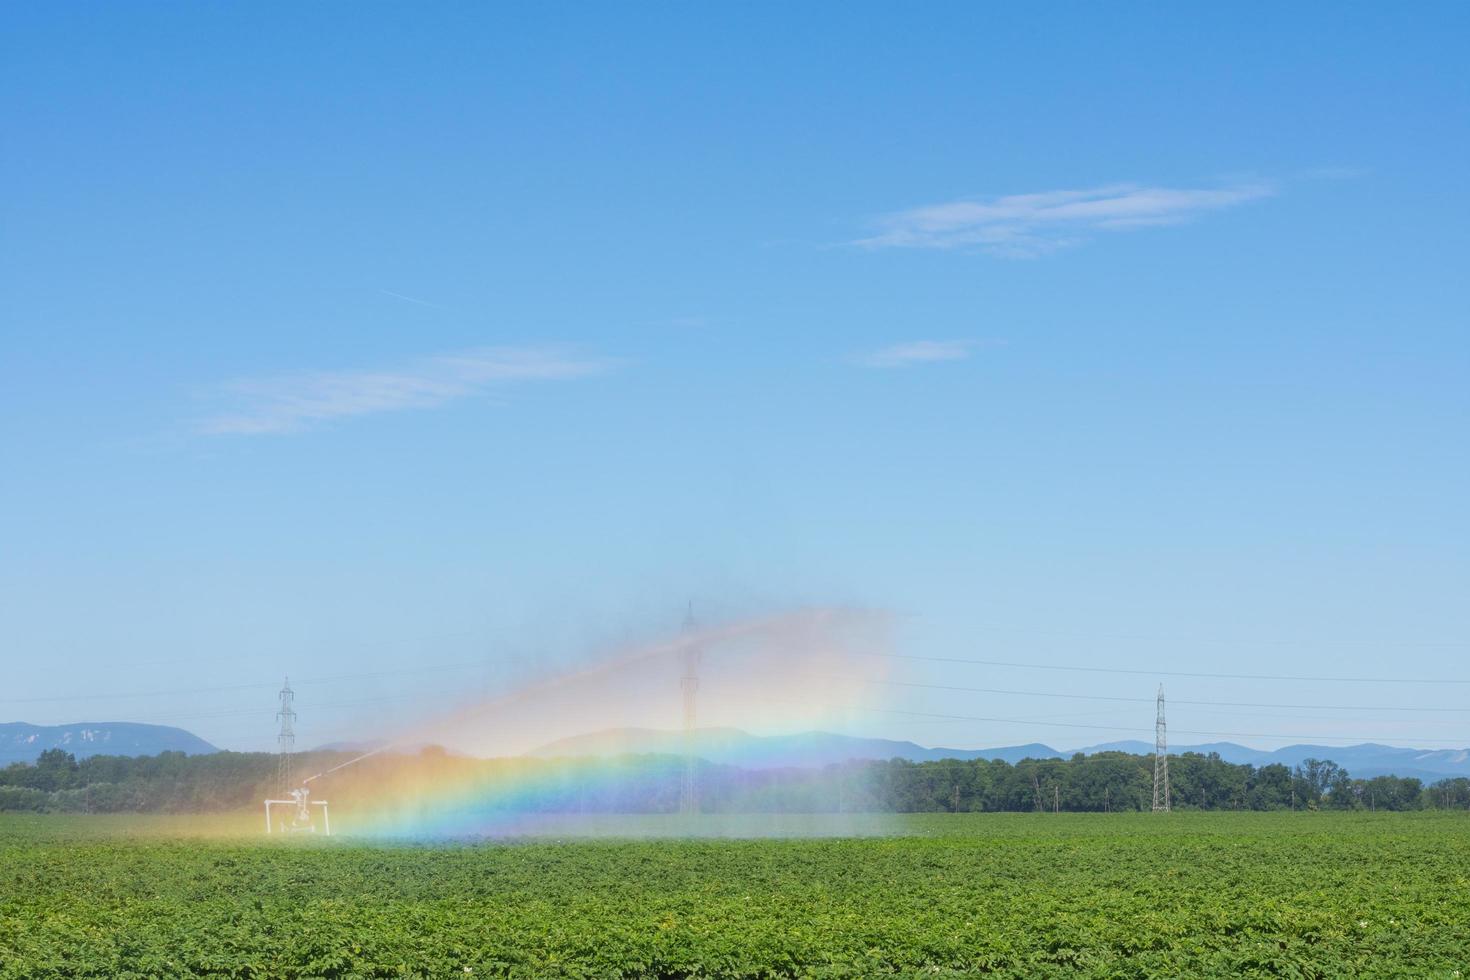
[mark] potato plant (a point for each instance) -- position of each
(1033, 895)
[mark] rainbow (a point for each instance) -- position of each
(489, 780)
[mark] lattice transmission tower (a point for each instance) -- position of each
(1161, 759)
(286, 738)
(689, 684)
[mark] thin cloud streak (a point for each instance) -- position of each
(299, 401)
(916, 352)
(1028, 225)
(411, 299)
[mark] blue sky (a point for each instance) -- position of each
(340, 339)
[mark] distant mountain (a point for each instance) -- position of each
(20, 742)
(370, 746)
(731, 746)
(383, 745)
(1363, 761)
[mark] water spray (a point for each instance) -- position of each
(685, 649)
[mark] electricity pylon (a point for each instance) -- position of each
(286, 738)
(1161, 760)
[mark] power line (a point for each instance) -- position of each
(316, 706)
(1177, 640)
(432, 668)
(360, 646)
(326, 679)
(244, 712)
(138, 694)
(1177, 673)
(1119, 728)
(953, 717)
(1104, 697)
(911, 684)
(480, 664)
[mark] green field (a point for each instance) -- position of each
(1202, 894)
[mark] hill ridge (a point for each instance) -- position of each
(23, 742)
(734, 746)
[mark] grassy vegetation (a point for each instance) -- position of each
(1123, 895)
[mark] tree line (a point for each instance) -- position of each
(1116, 781)
(173, 782)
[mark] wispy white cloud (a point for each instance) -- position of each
(411, 299)
(915, 352)
(297, 401)
(1027, 225)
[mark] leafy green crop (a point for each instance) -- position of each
(1135, 895)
